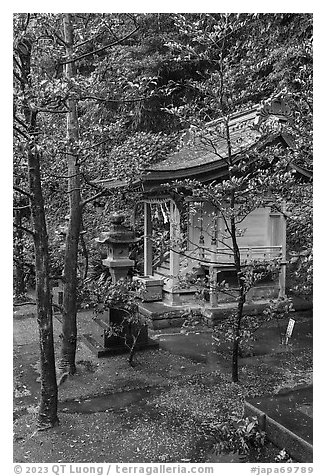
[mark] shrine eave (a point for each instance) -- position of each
(205, 171)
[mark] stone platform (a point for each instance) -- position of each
(165, 315)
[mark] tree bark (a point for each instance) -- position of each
(237, 263)
(69, 324)
(241, 300)
(47, 415)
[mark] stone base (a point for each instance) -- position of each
(153, 288)
(162, 315)
(124, 331)
(100, 351)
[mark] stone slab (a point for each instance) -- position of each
(100, 351)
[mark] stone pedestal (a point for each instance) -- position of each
(119, 339)
(57, 292)
(123, 331)
(153, 288)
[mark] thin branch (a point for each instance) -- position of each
(100, 49)
(17, 129)
(20, 227)
(218, 251)
(17, 63)
(23, 192)
(82, 43)
(73, 190)
(226, 223)
(20, 79)
(97, 144)
(52, 111)
(94, 197)
(97, 187)
(60, 40)
(16, 118)
(27, 21)
(21, 208)
(84, 251)
(95, 98)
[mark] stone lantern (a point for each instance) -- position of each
(117, 241)
(115, 244)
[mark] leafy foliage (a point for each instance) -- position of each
(243, 436)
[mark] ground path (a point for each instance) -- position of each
(157, 411)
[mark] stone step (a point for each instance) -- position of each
(93, 345)
(160, 275)
(103, 324)
(163, 271)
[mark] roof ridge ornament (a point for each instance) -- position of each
(276, 107)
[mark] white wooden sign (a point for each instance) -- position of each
(289, 330)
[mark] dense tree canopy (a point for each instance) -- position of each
(131, 70)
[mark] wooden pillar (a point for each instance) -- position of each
(175, 246)
(191, 228)
(213, 273)
(282, 276)
(148, 247)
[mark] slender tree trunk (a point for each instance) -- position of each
(69, 325)
(47, 416)
(241, 301)
(237, 263)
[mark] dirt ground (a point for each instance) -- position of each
(158, 411)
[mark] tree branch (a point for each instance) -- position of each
(16, 118)
(20, 227)
(97, 144)
(95, 98)
(53, 111)
(94, 197)
(78, 45)
(100, 49)
(23, 192)
(85, 253)
(21, 208)
(21, 132)
(27, 21)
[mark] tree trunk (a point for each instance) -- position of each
(241, 299)
(236, 339)
(237, 263)
(69, 325)
(47, 416)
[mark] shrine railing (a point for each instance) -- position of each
(225, 255)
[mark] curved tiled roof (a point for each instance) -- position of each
(211, 145)
(202, 154)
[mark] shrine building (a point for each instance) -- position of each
(195, 232)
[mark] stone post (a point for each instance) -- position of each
(282, 275)
(175, 246)
(148, 246)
